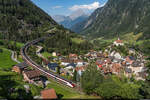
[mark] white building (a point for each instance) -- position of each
(112, 53)
(80, 63)
(118, 42)
(65, 63)
(132, 51)
(117, 56)
(54, 54)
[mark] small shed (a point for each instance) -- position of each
(19, 67)
(52, 66)
(48, 94)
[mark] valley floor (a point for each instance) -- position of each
(5, 59)
(6, 63)
(68, 93)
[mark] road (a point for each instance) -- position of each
(30, 62)
(13, 56)
(38, 52)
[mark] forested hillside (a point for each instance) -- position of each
(118, 16)
(21, 20)
(66, 44)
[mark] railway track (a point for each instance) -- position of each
(42, 70)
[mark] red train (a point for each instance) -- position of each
(40, 68)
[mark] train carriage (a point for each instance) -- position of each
(40, 68)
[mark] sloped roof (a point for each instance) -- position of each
(53, 65)
(73, 55)
(82, 68)
(119, 41)
(22, 65)
(32, 73)
(136, 64)
(48, 94)
(128, 70)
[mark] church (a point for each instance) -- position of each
(118, 42)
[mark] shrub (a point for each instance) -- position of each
(1, 50)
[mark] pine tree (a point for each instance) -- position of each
(75, 76)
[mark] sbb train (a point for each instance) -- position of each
(40, 68)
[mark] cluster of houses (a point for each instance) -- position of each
(29, 75)
(33, 76)
(68, 65)
(114, 62)
(107, 61)
(117, 64)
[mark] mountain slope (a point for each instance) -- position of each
(78, 27)
(118, 16)
(21, 20)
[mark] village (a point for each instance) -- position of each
(107, 61)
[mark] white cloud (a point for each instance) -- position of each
(92, 6)
(57, 7)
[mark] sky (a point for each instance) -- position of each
(66, 7)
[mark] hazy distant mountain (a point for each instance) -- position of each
(60, 18)
(72, 19)
(77, 13)
(80, 26)
(118, 16)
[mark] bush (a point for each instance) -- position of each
(1, 43)
(1, 50)
(109, 87)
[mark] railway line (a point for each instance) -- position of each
(42, 70)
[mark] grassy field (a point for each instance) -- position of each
(102, 43)
(68, 93)
(77, 40)
(101, 39)
(17, 80)
(20, 58)
(18, 44)
(142, 41)
(131, 38)
(9, 79)
(46, 54)
(12, 76)
(5, 59)
(128, 38)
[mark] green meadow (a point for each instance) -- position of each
(5, 59)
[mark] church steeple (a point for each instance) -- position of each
(118, 36)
